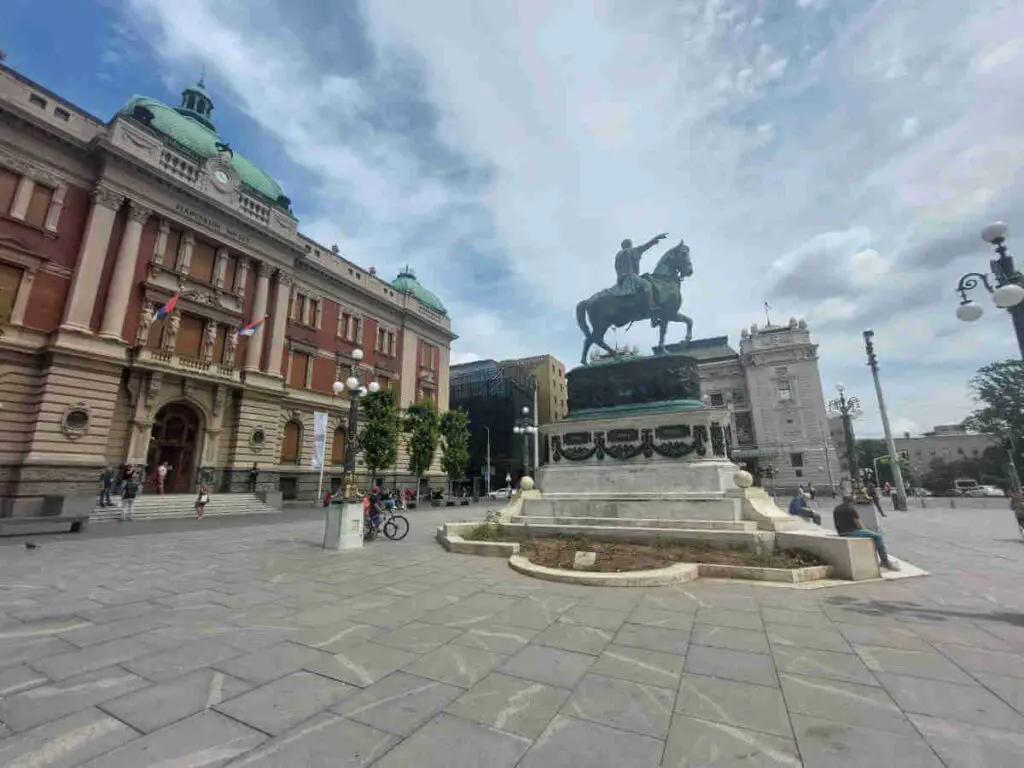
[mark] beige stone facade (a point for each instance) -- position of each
(101, 223)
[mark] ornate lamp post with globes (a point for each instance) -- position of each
(1008, 292)
(848, 409)
(524, 426)
(343, 529)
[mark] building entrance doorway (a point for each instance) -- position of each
(175, 440)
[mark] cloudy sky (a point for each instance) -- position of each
(835, 158)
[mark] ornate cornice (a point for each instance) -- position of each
(106, 197)
(138, 212)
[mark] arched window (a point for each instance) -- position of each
(338, 446)
(291, 442)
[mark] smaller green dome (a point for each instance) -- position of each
(407, 283)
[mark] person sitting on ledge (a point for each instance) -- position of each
(848, 523)
(798, 506)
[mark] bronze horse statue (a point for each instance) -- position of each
(611, 307)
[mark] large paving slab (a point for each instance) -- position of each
(245, 643)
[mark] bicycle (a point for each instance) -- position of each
(384, 520)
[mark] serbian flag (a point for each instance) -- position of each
(167, 308)
(251, 328)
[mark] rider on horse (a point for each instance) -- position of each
(627, 271)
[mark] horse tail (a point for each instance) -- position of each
(581, 318)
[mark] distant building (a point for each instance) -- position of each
(773, 386)
(549, 372)
(493, 395)
(946, 443)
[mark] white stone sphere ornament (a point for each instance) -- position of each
(743, 479)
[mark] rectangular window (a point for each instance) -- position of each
(39, 206)
(10, 281)
(8, 186)
(230, 272)
(785, 393)
(218, 344)
(297, 375)
(796, 459)
(189, 343)
(204, 262)
(172, 248)
(717, 399)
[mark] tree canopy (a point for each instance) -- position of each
(454, 443)
(423, 425)
(378, 438)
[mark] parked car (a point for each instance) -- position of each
(984, 490)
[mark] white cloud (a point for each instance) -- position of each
(807, 158)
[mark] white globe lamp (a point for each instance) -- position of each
(969, 312)
(1009, 295)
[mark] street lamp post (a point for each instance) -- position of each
(894, 459)
(524, 426)
(848, 409)
(1008, 292)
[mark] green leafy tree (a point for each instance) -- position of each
(454, 444)
(999, 390)
(378, 438)
(423, 426)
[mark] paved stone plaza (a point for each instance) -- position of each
(202, 645)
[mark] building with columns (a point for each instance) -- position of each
(101, 223)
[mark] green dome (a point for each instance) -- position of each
(407, 283)
(190, 127)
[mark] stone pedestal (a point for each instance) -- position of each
(343, 528)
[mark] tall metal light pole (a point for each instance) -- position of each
(848, 408)
(1008, 293)
(894, 457)
(525, 427)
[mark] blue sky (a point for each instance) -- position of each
(836, 158)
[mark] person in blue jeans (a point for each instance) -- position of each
(798, 506)
(848, 523)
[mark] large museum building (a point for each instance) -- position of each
(101, 224)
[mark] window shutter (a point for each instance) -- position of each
(39, 206)
(189, 342)
(8, 186)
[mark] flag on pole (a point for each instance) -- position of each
(251, 328)
(167, 308)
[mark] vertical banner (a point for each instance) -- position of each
(319, 438)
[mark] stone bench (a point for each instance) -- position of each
(852, 559)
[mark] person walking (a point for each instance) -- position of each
(202, 500)
(875, 499)
(161, 476)
(107, 480)
(848, 524)
(129, 490)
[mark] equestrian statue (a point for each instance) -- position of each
(654, 296)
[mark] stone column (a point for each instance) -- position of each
(124, 272)
(22, 197)
(284, 284)
(254, 351)
(161, 241)
(91, 255)
(185, 252)
(221, 268)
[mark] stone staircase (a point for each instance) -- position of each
(178, 505)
